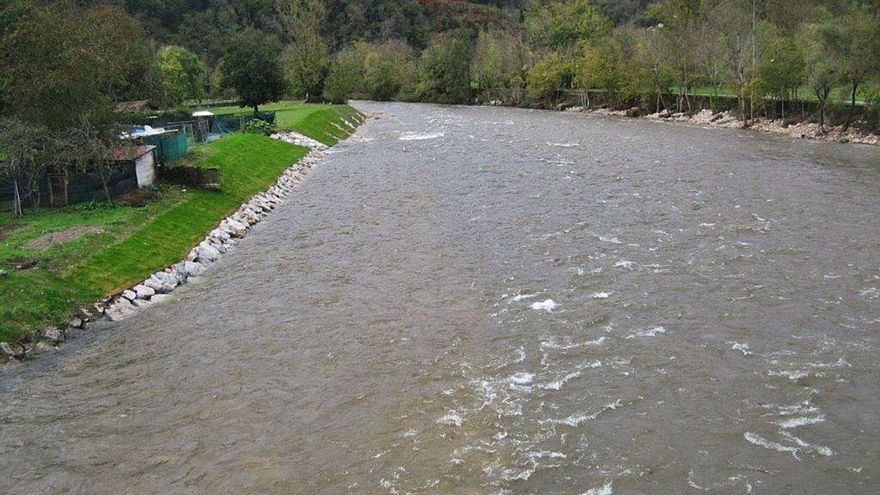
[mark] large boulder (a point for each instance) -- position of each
(53, 334)
(205, 251)
(193, 269)
(144, 292)
(162, 282)
(120, 310)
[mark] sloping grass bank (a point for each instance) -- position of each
(317, 121)
(136, 241)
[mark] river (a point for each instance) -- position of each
(466, 300)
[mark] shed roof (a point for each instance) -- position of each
(125, 153)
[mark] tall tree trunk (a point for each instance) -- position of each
(256, 111)
(852, 106)
(821, 111)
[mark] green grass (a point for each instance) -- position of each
(312, 119)
(137, 241)
(839, 95)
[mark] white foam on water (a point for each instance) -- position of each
(547, 305)
(741, 347)
(581, 271)
(521, 378)
(612, 240)
(576, 419)
(707, 225)
(559, 383)
(552, 344)
(605, 489)
(800, 421)
(625, 264)
(760, 441)
(601, 295)
(653, 332)
(791, 375)
(522, 297)
(563, 145)
(415, 136)
(452, 418)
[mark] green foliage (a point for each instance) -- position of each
(389, 68)
(499, 59)
(182, 76)
(258, 126)
(62, 65)
(344, 77)
(566, 25)
(306, 58)
(781, 69)
(251, 66)
(547, 77)
(444, 69)
(602, 66)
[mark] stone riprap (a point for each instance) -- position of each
(157, 286)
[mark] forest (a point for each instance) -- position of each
(65, 65)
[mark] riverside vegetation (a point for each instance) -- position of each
(66, 65)
(45, 279)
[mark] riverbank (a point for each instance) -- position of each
(55, 263)
(798, 129)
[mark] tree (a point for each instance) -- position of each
(678, 34)
(444, 68)
(251, 66)
(601, 67)
(63, 66)
(820, 64)
(781, 69)
(181, 75)
(344, 77)
(388, 69)
(856, 40)
(547, 77)
(498, 62)
(565, 26)
(306, 58)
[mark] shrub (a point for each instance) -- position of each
(257, 126)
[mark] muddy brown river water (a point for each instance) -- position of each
(497, 301)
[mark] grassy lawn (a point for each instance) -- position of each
(840, 95)
(314, 120)
(124, 244)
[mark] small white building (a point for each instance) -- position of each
(144, 158)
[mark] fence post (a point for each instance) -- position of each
(16, 200)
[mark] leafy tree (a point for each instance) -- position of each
(601, 66)
(251, 66)
(63, 66)
(499, 58)
(307, 58)
(548, 77)
(389, 69)
(566, 25)
(344, 77)
(781, 69)
(820, 63)
(855, 40)
(646, 74)
(444, 68)
(181, 75)
(678, 35)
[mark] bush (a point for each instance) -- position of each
(444, 68)
(257, 126)
(547, 77)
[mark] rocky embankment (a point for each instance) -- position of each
(157, 287)
(799, 130)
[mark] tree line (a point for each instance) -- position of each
(66, 64)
